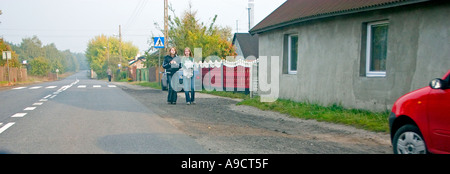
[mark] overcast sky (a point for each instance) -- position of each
(70, 24)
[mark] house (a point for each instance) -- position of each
(246, 44)
(138, 62)
(137, 71)
(356, 53)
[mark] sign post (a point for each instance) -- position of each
(57, 71)
(158, 42)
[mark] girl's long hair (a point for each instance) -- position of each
(176, 52)
(190, 52)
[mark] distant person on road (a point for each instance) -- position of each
(171, 67)
(109, 72)
(187, 64)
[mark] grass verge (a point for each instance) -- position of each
(372, 121)
(239, 95)
(154, 85)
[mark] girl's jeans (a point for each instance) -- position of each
(189, 88)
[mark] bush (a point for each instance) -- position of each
(40, 66)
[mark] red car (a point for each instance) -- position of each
(420, 120)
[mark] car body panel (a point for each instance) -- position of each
(439, 118)
(429, 110)
(164, 85)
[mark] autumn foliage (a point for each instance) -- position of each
(188, 31)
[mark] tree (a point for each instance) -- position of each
(14, 62)
(72, 63)
(188, 31)
(57, 60)
(81, 59)
(103, 52)
(30, 48)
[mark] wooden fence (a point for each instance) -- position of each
(15, 74)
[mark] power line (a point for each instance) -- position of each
(136, 13)
(133, 14)
(66, 36)
(68, 30)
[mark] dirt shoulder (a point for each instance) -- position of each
(221, 126)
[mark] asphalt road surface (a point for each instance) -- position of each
(80, 115)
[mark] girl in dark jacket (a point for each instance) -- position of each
(171, 68)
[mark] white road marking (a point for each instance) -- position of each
(36, 87)
(51, 87)
(53, 96)
(48, 96)
(112, 86)
(19, 115)
(81, 86)
(6, 127)
(29, 108)
(37, 104)
(76, 81)
(42, 100)
(97, 86)
(20, 87)
(64, 88)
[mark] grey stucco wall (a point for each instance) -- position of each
(329, 63)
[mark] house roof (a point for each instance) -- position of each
(248, 43)
(141, 58)
(296, 11)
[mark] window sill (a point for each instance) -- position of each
(292, 73)
(377, 75)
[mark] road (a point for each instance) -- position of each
(80, 115)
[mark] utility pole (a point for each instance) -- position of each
(166, 23)
(120, 45)
(107, 52)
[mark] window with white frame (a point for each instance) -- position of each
(376, 49)
(292, 54)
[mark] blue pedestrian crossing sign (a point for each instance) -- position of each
(158, 42)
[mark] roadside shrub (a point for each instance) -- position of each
(40, 66)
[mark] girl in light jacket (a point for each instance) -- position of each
(187, 65)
